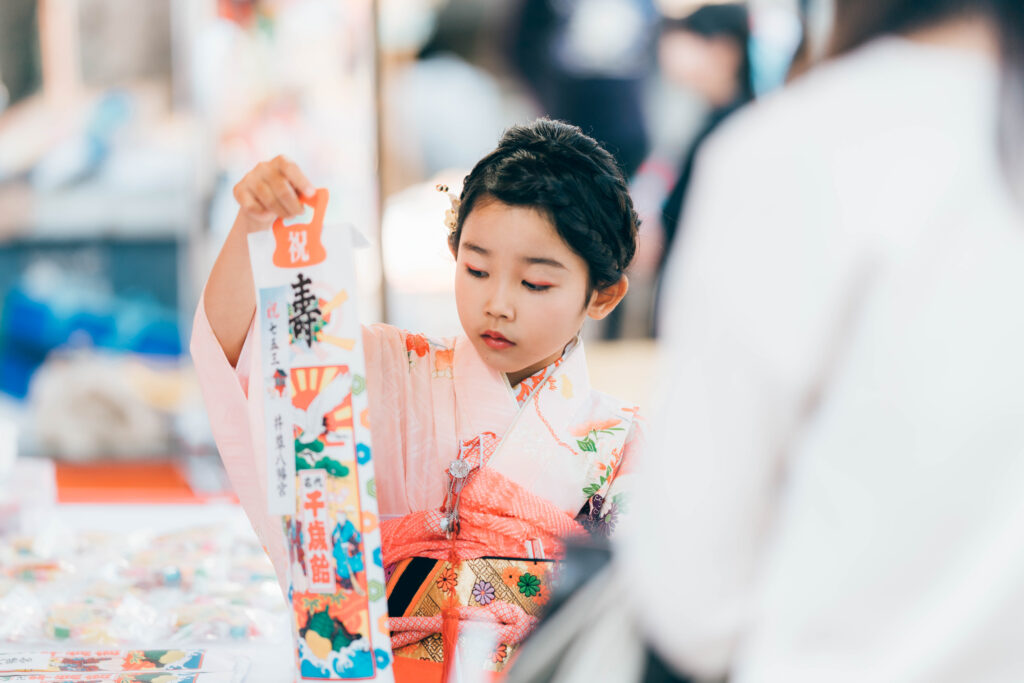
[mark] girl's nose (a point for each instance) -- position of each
(499, 304)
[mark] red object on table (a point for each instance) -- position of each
(161, 481)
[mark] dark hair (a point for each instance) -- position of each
(859, 21)
(555, 168)
(721, 21)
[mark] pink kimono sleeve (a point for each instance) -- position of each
(409, 406)
(234, 421)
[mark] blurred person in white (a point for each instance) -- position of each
(839, 462)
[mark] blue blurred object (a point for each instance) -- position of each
(32, 326)
(117, 294)
(170, 576)
(775, 37)
(82, 155)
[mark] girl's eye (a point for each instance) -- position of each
(475, 273)
(536, 288)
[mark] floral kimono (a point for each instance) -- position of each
(478, 483)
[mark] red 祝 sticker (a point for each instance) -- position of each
(299, 244)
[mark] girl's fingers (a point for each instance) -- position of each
(250, 202)
(285, 194)
(246, 199)
(272, 190)
(253, 208)
(290, 170)
(265, 193)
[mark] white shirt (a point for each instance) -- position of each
(835, 487)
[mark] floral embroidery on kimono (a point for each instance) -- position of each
(600, 513)
(419, 346)
(527, 386)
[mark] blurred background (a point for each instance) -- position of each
(125, 124)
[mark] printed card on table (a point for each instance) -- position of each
(122, 666)
(138, 677)
(319, 465)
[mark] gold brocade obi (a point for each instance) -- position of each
(507, 593)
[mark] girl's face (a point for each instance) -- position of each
(521, 292)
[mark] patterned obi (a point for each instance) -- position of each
(507, 593)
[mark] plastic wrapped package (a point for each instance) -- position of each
(21, 614)
(200, 585)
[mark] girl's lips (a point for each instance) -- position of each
(496, 341)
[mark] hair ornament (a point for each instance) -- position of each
(451, 216)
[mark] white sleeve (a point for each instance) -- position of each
(755, 298)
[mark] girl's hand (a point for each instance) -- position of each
(269, 191)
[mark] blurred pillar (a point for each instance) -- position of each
(59, 48)
(378, 106)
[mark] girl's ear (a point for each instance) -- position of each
(604, 301)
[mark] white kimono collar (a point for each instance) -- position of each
(492, 406)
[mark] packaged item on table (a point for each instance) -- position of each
(21, 614)
(218, 621)
(82, 622)
(190, 587)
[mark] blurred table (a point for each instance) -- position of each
(109, 574)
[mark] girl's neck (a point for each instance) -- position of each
(514, 378)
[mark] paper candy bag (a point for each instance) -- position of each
(319, 465)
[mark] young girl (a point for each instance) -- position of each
(489, 448)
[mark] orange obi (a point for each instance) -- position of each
(496, 570)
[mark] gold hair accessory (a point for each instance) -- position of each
(451, 216)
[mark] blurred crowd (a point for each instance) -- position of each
(119, 151)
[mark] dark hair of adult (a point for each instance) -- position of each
(730, 21)
(566, 175)
(859, 21)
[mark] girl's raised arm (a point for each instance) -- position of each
(268, 191)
